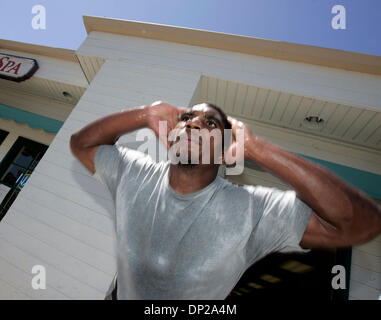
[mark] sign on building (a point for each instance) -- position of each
(16, 68)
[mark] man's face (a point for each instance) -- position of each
(199, 133)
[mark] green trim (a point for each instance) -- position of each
(35, 121)
(368, 182)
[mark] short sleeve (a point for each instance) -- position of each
(111, 162)
(281, 220)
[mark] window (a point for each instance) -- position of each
(16, 168)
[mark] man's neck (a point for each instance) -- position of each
(191, 178)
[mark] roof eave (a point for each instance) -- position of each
(340, 59)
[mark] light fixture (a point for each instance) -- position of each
(67, 95)
(269, 278)
(313, 122)
(296, 266)
(255, 285)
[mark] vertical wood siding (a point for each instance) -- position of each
(61, 218)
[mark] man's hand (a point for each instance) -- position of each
(160, 111)
(236, 145)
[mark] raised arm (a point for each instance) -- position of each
(108, 129)
(342, 215)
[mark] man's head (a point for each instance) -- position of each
(200, 134)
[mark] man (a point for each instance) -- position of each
(183, 232)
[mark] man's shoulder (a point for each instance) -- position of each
(139, 164)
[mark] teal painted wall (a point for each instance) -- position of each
(35, 121)
(368, 182)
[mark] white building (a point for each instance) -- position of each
(60, 218)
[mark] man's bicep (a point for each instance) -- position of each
(84, 155)
(321, 234)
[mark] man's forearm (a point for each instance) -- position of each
(108, 129)
(333, 199)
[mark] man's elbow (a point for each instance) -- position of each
(374, 224)
(85, 155)
(365, 228)
(74, 145)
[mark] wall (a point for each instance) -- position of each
(61, 217)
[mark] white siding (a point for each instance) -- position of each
(366, 271)
(336, 85)
(61, 218)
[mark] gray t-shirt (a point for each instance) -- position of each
(192, 246)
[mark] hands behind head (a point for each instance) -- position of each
(238, 149)
(161, 111)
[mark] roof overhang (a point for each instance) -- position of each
(351, 61)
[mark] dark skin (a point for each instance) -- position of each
(182, 177)
(342, 215)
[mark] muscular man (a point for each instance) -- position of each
(183, 232)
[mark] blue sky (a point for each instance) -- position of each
(297, 21)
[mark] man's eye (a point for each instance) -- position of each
(211, 123)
